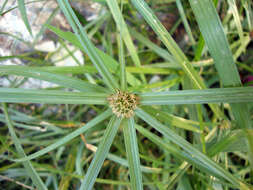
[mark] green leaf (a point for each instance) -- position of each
(236, 16)
(69, 137)
(122, 27)
(87, 45)
(22, 9)
(132, 155)
(178, 153)
(27, 164)
(218, 47)
(172, 46)
(172, 136)
(18, 95)
(111, 64)
(158, 50)
(239, 94)
(101, 154)
(122, 63)
(184, 19)
(38, 73)
(216, 41)
(173, 120)
(124, 162)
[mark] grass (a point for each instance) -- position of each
(149, 112)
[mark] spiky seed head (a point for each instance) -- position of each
(123, 103)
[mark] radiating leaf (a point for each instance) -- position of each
(101, 154)
(69, 137)
(239, 94)
(27, 164)
(19, 95)
(87, 44)
(132, 155)
(38, 73)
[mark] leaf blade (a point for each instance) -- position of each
(132, 155)
(239, 94)
(22, 9)
(18, 95)
(171, 135)
(27, 164)
(68, 137)
(87, 44)
(101, 154)
(38, 73)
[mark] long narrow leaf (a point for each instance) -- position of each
(18, 95)
(172, 136)
(101, 154)
(122, 63)
(111, 64)
(122, 27)
(218, 47)
(171, 45)
(22, 9)
(87, 44)
(176, 152)
(27, 164)
(240, 94)
(38, 73)
(132, 155)
(69, 137)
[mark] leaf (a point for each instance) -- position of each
(196, 154)
(173, 120)
(111, 64)
(22, 9)
(27, 164)
(132, 154)
(122, 27)
(239, 94)
(173, 48)
(18, 95)
(87, 45)
(38, 73)
(218, 47)
(101, 154)
(69, 137)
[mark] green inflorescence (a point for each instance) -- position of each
(123, 103)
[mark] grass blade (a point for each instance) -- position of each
(122, 27)
(178, 153)
(168, 41)
(22, 9)
(234, 9)
(184, 19)
(122, 63)
(111, 64)
(101, 154)
(239, 94)
(124, 162)
(18, 95)
(38, 73)
(216, 41)
(172, 136)
(27, 164)
(173, 120)
(132, 155)
(158, 50)
(218, 47)
(69, 137)
(87, 44)
(172, 46)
